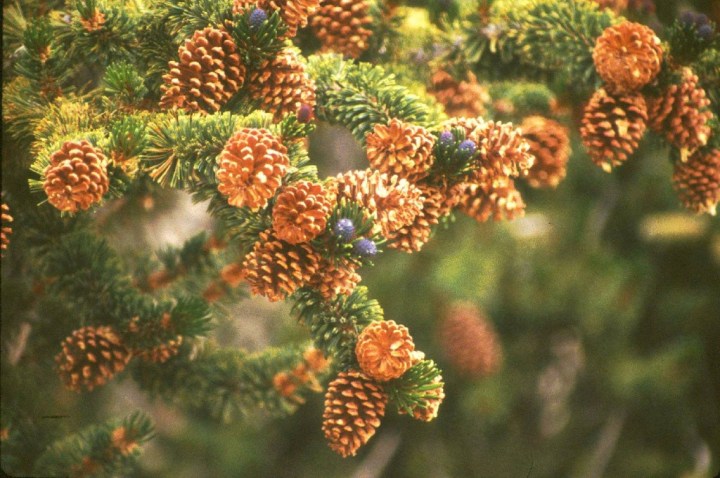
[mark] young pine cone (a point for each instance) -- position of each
(550, 144)
(385, 350)
(76, 177)
(6, 229)
(209, 72)
(469, 341)
(341, 26)
(90, 357)
(301, 211)
(354, 406)
(612, 127)
(697, 181)
(461, 99)
(400, 149)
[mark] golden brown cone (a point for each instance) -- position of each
(697, 181)
(341, 26)
(385, 350)
(334, 279)
(469, 341)
(301, 211)
(414, 236)
(460, 99)
(499, 200)
(550, 144)
(401, 149)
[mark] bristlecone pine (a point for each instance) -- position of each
(276, 269)
(354, 406)
(469, 341)
(697, 181)
(209, 72)
(412, 238)
(90, 357)
(251, 167)
(499, 200)
(612, 127)
(341, 26)
(294, 13)
(76, 177)
(460, 98)
(627, 56)
(550, 144)
(385, 350)
(281, 85)
(333, 279)
(301, 211)
(681, 114)
(400, 149)
(6, 229)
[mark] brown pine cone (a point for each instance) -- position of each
(461, 99)
(163, 352)
(697, 181)
(612, 127)
(499, 200)
(385, 350)
(412, 238)
(550, 144)
(209, 72)
(469, 341)
(627, 56)
(281, 85)
(294, 13)
(6, 229)
(301, 211)
(354, 405)
(251, 167)
(340, 25)
(90, 357)
(333, 279)
(682, 114)
(76, 177)
(276, 269)
(400, 148)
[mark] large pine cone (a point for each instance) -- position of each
(209, 72)
(301, 211)
(698, 181)
(385, 350)
(469, 341)
(550, 144)
(340, 25)
(400, 149)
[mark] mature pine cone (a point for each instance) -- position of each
(294, 13)
(6, 229)
(385, 350)
(682, 114)
(301, 211)
(697, 181)
(498, 200)
(276, 269)
(469, 341)
(627, 56)
(281, 85)
(340, 25)
(354, 405)
(209, 72)
(400, 148)
(333, 279)
(90, 357)
(76, 177)
(612, 127)
(460, 99)
(615, 5)
(550, 144)
(412, 238)
(251, 167)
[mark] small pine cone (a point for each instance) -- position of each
(499, 200)
(469, 341)
(430, 412)
(251, 167)
(76, 177)
(6, 229)
(697, 181)
(341, 26)
(301, 211)
(332, 279)
(282, 85)
(294, 13)
(550, 144)
(612, 127)
(627, 56)
(401, 149)
(461, 99)
(385, 350)
(682, 114)
(209, 72)
(163, 352)
(276, 269)
(354, 405)
(412, 238)
(615, 5)
(90, 357)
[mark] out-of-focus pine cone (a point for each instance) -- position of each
(276, 269)
(333, 279)
(469, 341)
(76, 177)
(400, 149)
(385, 350)
(354, 407)
(550, 144)
(615, 5)
(499, 200)
(6, 229)
(251, 167)
(341, 26)
(612, 127)
(681, 114)
(460, 98)
(301, 211)
(627, 56)
(294, 13)
(90, 357)
(412, 238)
(281, 85)
(697, 181)
(209, 72)
(163, 352)
(94, 22)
